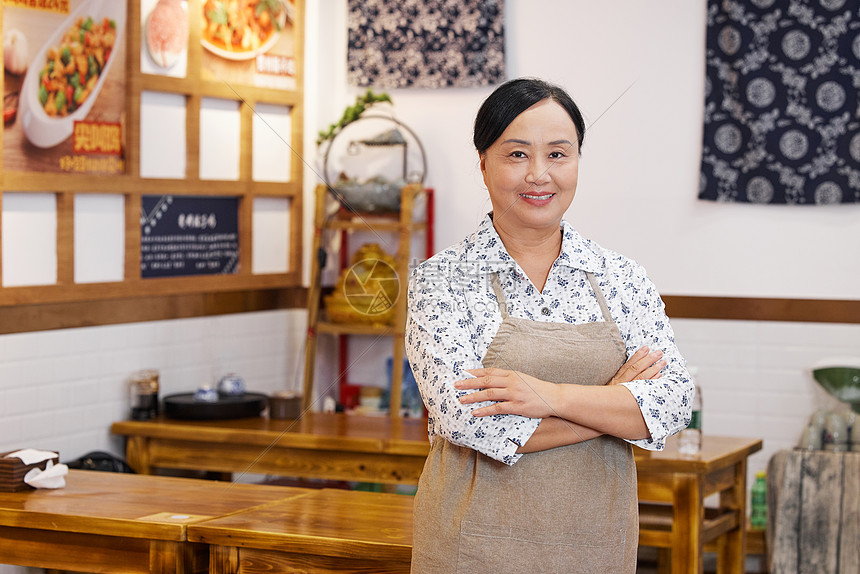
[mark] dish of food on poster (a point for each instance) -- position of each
(188, 235)
(63, 97)
(249, 42)
(164, 37)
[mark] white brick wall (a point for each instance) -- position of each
(62, 389)
(756, 376)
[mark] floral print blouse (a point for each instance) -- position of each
(453, 316)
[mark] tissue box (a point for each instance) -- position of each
(12, 471)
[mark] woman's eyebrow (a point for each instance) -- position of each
(525, 142)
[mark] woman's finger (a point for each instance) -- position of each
(633, 365)
(653, 372)
(488, 371)
(640, 365)
(484, 378)
(489, 410)
(487, 394)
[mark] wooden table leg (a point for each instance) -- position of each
(137, 454)
(732, 554)
(688, 516)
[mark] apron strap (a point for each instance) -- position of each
(598, 292)
(500, 295)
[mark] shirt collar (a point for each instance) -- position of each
(486, 246)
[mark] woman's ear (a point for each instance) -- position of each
(482, 163)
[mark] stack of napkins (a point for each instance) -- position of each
(31, 468)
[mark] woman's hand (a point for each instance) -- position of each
(512, 392)
(640, 366)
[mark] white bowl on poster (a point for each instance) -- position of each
(243, 55)
(41, 129)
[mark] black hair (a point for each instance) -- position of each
(513, 98)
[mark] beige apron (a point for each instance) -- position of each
(571, 509)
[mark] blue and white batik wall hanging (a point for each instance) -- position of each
(782, 123)
(420, 44)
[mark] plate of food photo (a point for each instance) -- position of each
(64, 78)
(243, 29)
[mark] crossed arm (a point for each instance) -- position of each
(569, 413)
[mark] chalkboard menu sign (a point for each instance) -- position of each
(188, 235)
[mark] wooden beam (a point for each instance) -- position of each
(762, 309)
(72, 314)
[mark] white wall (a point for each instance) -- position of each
(639, 170)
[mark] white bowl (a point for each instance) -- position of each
(41, 129)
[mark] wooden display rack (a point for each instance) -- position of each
(402, 224)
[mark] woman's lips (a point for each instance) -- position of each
(537, 197)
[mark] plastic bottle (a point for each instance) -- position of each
(758, 496)
(690, 439)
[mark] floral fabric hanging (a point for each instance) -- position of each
(419, 44)
(782, 123)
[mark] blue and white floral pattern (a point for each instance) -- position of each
(419, 44)
(781, 102)
(454, 316)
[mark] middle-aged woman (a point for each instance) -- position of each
(540, 357)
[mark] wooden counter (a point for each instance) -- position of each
(109, 522)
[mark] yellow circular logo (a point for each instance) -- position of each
(371, 286)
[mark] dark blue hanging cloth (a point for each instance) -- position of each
(782, 122)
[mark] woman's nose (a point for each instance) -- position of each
(538, 172)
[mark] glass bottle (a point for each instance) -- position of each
(690, 439)
(758, 502)
(143, 395)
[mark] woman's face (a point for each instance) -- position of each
(531, 170)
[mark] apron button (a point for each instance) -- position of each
(545, 310)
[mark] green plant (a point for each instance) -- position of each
(352, 113)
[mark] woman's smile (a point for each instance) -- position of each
(537, 198)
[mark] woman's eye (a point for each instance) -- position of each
(556, 155)
(517, 154)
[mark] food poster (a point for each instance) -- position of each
(64, 86)
(249, 42)
(164, 37)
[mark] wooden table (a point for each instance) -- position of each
(109, 522)
(386, 450)
(323, 531)
(672, 488)
(329, 446)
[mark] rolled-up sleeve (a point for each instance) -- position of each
(441, 347)
(666, 402)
